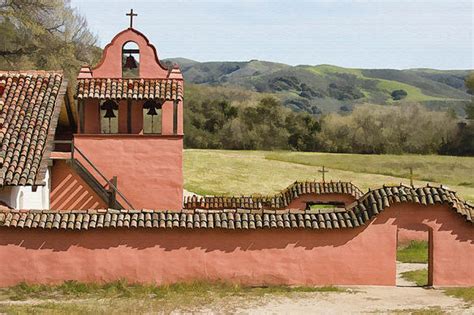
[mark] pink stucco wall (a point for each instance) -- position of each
(69, 191)
(362, 256)
(111, 64)
(149, 168)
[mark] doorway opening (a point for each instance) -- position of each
(415, 256)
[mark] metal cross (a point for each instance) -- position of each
(131, 15)
(323, 171)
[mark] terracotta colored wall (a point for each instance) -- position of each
(149, 168)
(69, 191)
(364, 256)
(137, 117)
(111, 63)
(122, 117)
(300, 202)
(91, 116)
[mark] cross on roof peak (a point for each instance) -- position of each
(131, 15)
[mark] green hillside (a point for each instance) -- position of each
(326, 88)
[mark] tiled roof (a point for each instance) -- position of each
(375, 201)
(29, 109)
(138, 89)
(366, 208)
(278, 201)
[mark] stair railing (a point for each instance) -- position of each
(74, 149)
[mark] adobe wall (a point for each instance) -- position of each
(149, 167)
(359, 256)
(300, 202)
(69, 191)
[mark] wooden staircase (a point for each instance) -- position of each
(108, 191)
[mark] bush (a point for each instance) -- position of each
(399, 94)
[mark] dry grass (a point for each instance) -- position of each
(467, 294)
(264, 172)
(120, 297)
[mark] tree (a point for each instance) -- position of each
(469, 108)
(45, 34)
(399, 94)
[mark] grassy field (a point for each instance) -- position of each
(415, 252)
(221, 172)
(122, 298)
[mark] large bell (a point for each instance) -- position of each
(152, 111)
(109, 108)
(109, 113)
(152, 107)
(130, 62)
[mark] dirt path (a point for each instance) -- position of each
(365, 300)
(404, 267)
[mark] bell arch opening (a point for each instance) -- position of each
(152, 117)
(109, 117)
(130, 60)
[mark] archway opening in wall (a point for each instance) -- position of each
(130, 60)
(414, 256)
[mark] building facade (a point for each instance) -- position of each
(130, 132)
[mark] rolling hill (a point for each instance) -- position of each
(326, 88)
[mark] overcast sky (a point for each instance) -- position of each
(358, 33)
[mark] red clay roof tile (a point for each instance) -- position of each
(29, 109)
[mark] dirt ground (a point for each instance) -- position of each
(364, 300)
(406, 298)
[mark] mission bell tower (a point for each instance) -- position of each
(130, 124)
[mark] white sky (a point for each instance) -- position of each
(358, 33)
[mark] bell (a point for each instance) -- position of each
(109, 113)
(152, 111)
(130, 62)
(152, 107)
(109, 107)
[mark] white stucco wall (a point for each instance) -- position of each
(23, 197)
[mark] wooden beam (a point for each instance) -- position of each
(70, 115)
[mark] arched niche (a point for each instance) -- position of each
(130, 60)
(110, 65)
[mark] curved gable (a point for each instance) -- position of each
(110, 65)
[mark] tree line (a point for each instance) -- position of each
(370, 129)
